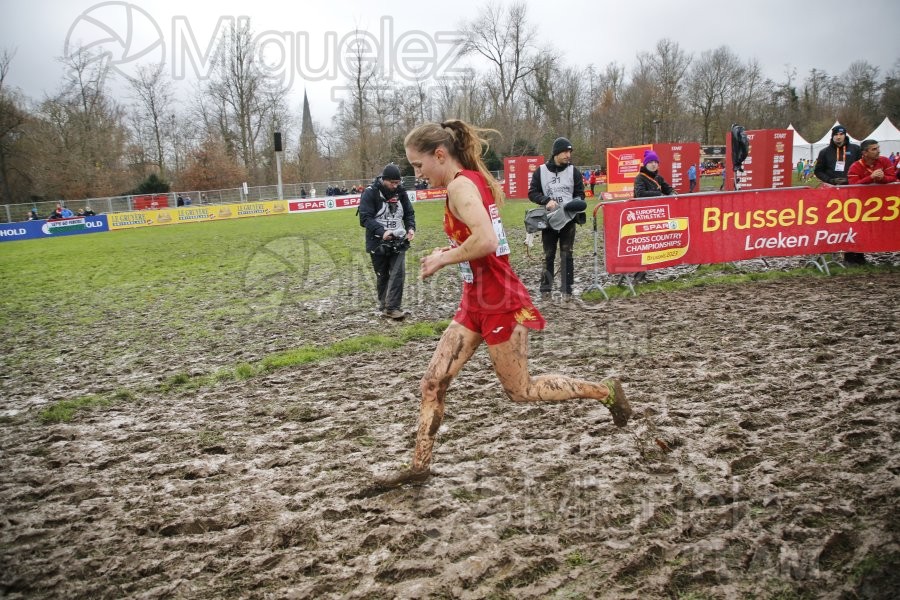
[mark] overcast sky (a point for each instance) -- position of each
(780, 34)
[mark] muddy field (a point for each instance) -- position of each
(761, 462)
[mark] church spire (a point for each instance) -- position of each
(307, 133)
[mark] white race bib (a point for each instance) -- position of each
(502, 243)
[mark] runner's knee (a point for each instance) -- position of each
(435, 387)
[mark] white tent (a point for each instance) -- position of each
(802, 148)
(826, 139)
(887, 136)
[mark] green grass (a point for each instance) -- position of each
(575, 559)
(64, 410)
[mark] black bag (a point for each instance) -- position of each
(536, 220)
(740, 147)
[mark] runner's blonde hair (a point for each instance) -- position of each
(464, 142)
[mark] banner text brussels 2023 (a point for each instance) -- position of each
(654, 233)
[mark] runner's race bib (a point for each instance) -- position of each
(465, 268)
(502, 243)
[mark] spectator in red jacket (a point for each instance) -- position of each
(871, 167)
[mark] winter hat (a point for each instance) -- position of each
(650, 156)
(560, 144)
(838, 129)
(391, 173)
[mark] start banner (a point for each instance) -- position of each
(654, 233)
(518, 171)
(623, 165)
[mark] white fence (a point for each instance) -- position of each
(12, 213)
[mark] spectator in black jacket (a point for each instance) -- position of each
(649, 182)
(557, 185)
(835, 159)
(390, 221)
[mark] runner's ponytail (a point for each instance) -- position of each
(464, 143)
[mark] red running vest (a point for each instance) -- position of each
(489, 283)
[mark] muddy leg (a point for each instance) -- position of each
(511, 364)
(456, 346)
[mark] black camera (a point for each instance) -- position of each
(394, 246)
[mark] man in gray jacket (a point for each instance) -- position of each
(556, 186)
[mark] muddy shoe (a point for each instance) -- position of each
(403, 477)
(395, 314)
(616, 402)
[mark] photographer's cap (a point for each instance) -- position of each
(391, 173)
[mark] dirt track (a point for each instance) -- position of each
(761, 462)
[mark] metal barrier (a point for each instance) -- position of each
(112, 204)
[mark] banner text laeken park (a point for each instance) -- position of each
(654, 233)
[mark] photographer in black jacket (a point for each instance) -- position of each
(390, 221)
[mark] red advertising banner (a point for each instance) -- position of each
(654, 233)
(517, 172)
(617, 195)
(327, 203)
(674, 162)
(431, 194)
(768, 163)
(622, 166)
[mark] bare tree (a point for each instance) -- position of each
(465, 98)
(667, 67)
(354, 114)
(243, 101)
(12, 123)
(503, 37)
(890, 97)
(559, 100)
(861, 97)
(712, 79)
(83, 133)
(154, 95)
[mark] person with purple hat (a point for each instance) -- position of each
(649, 182)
